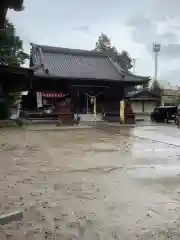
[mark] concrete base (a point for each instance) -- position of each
(142, 117)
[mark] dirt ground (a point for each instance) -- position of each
(89, 184)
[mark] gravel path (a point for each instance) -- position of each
(88, 184)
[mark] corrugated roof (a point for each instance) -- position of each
(79, 64)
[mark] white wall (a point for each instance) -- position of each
(149, 106)
(137, 106)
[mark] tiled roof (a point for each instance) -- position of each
(79, 64)
(141, 93)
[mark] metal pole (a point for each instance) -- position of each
(156, 65)
(156, 50)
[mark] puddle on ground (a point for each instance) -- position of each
(160, 137)
(154, 171)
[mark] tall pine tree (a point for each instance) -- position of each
(156, 88)
(104, 45)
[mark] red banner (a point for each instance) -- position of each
(53, 95)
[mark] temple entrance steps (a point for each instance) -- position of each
(89, 117)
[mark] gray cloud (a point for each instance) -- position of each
(84, 29)
(145, 26)
(145, 31)
(140, 21)
(77, 23)
(170, 36)
(172, 75)
(171, 50)
(163, 9)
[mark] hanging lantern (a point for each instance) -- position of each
(91, 100)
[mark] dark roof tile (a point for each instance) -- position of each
(141, 93)
(82, 64)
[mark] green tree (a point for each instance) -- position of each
(156, 88)
(12, 54)
(11, 46)
(104, 45)
(144, 85)
(178, 99)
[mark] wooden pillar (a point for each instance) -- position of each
(87, 104)
(94, 105)
(94, 109)
(162, 100)
(3, 107)
(121, 111)
(143, 106)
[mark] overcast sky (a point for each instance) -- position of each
(132, 25)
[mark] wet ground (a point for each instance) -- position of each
(92, 183)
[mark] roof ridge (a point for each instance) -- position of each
(82, 52)
(114, 64)
(126, 72)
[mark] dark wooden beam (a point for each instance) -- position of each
(17, 5)
(3, 12)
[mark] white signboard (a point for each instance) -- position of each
(39, 99)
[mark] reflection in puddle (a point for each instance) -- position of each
(160, 137)
(155, 171)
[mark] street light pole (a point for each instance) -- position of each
(156, 50)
